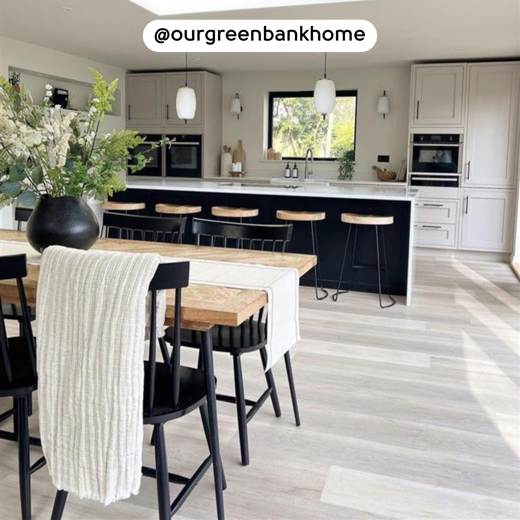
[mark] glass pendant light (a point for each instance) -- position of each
(186, 101)
(325, 94)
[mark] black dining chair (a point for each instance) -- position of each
(18, 379)
(12, 311)
(250, 336)
(21, 215)
(138, 227)
(171, 391)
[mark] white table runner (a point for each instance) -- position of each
(281, 285)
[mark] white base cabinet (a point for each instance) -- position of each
(436, 223)
(487, 219)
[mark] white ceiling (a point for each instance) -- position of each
(110, 31)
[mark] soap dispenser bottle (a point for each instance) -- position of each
(295, 171)
(287, 172)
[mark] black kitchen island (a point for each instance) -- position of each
(334, 200)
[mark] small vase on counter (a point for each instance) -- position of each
(225, 161)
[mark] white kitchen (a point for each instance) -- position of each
(353, 218)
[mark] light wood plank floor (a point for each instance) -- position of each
(407, 413)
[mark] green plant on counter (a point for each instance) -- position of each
(46, 150)
(346, 165)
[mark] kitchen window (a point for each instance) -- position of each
(295, 126)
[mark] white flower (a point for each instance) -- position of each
(48, 93)
(95, 100)
(93, 110)
(81, 141)
(57, 107)
(92, 134)
(48, 87)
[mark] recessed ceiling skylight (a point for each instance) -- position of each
(176, 7)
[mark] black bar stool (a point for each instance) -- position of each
(355, 220)
(178, 210)
(312, 217)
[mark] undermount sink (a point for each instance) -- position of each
(256, 185)
(300, 182)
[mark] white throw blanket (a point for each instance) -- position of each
(91, 329)
(281, 285)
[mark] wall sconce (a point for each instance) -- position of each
(236, 106)
(383, 105)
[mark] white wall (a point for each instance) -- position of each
(515, 256)
(375, 136)
(23, 55)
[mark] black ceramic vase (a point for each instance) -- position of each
(62, 221)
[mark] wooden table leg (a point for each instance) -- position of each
(207, 348)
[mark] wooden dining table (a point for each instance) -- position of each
(203, 306)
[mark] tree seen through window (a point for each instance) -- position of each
(295, 126)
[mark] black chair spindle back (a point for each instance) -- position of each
(138, 227)
(167, 277)
(21, 215)
(264, 237)
(15, 268)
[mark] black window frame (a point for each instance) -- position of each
(307, 94)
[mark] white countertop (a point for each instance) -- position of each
(250, 187)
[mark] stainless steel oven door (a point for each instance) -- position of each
(154, 157)
(184, 156)
(442, 158)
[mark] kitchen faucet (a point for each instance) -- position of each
(308, 171)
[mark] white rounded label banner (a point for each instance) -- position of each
(260, 36)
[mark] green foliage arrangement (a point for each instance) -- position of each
(45, 149)
(346, 165)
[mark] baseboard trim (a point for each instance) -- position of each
(482, 256)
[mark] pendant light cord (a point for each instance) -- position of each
(325, 72)
(186, 71)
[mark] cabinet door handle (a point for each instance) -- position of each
(433, 205)
(467, 204)
(417, 110)
(167, 112)
(469, 170)
(432, 227)
(129, 111)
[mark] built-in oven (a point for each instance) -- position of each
(436, 153)
(184, 156)
(154, 158)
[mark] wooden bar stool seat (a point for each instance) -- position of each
(355, 220)
(177, 209)
(300, 216)
(312, 217)
(123, 206)
(366, 220)
(227, 212)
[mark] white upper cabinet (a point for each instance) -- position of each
(174, 81)
(144, 100)
(437, 95)
(487, 220)
(492, 125)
